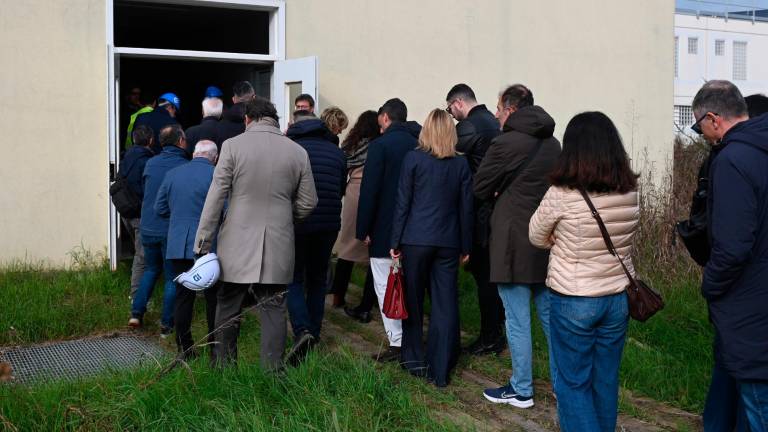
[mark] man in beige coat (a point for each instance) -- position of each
(267, 179)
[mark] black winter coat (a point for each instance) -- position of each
(475, 135)
(329, 168)
(206, 130)
(378, 189)
(232, 122)
(513, 258)
(735, 281)
(132, 167)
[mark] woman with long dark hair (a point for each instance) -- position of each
(589, 312)
(350, 250)
(432, 229)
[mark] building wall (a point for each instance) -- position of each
(53, 129)
(575, 56)
(695, 69)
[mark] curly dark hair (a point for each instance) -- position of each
(259, 107)
(366, 126)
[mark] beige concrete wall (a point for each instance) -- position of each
(53, 128)
(575, 56)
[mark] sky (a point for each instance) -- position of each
(721, 5)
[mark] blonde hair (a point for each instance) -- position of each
(335, 119)
(438, 136)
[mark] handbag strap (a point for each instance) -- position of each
(604, 232)
(514, 174)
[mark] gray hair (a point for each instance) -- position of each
(212, 107)
(719, 97)
(206, 149)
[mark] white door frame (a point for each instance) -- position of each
(276, 9)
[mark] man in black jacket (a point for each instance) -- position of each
(168, 105)
(208, 127)
(132, 168)
(734, 281)
(233, 120)
(316, 235)
(376, 208)
(476, 129)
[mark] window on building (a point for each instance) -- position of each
(719, 47)
(683, 117)
(677, 55)
(740, 61)
(693, 45)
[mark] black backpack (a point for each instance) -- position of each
(693, 231)
(127, 203)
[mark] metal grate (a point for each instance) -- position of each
(78, 358)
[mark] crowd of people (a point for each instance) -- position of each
(498, 194)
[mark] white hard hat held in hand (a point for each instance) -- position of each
(202, 275)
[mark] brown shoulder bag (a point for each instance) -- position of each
(644, 301)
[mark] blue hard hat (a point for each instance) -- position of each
(213, 92)
(172, 98)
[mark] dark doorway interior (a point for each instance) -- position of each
(184, 27)
(188, 80)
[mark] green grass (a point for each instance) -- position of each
(329, 392)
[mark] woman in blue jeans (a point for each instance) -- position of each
(432, 228)
(588, 306)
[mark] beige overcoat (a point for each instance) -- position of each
(268, 181)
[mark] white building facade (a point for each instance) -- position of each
(707, 46)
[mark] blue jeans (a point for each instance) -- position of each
(517, 311)
(587, 341)
(155, 263)
(754, 395)
(306, 294)
(724, 410)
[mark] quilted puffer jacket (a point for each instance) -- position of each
(579, 263)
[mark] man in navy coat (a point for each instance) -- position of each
(375, 211)
(154, 230)
(735, 280)
(181, 198)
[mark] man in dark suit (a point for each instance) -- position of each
(209, 125)
(476, 129)
(377, 203)
(232, 121)
(181, 198)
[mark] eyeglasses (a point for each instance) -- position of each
(450, 104)
(696, 127)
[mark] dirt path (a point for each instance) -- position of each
(467, 405)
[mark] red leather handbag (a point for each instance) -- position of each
(394, 298)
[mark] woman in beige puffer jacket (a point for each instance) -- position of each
(589, 312)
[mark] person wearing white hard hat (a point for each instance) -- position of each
(181, 198)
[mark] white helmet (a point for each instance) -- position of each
(202, 275)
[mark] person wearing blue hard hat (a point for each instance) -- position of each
(168, 106)
(213, 92)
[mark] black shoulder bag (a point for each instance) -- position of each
(124, 199)
(644, 301)
(693, 231)
(483, 216)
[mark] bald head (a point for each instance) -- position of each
(206, 149)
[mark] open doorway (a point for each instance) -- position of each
(188, 79)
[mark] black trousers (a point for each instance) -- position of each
(271, 309)
(341, 279)
(184, 308)
(437, 270)
(491, 307)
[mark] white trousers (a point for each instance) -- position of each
(380, 270)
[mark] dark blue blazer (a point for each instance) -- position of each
(434, 203)
(329, 169)
(132, 167)
(379, 185)
(181, 198)
(157, 119)
(735, 281)
(154, 174)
